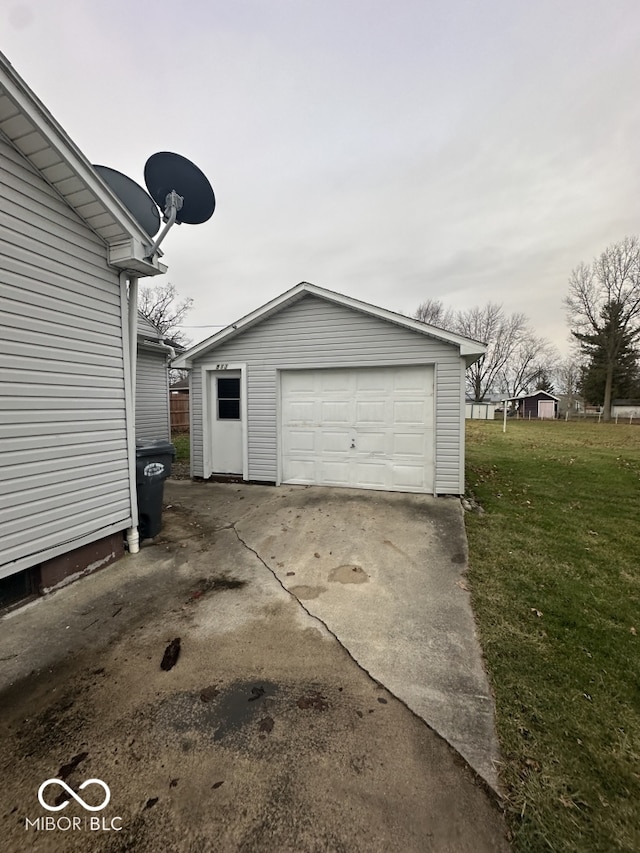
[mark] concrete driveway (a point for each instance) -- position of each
(385, 572)
(268, 733)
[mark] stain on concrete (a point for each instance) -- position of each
(171, 655)
(209, 693)
(216, 583)
(314, 699)
(304, 593)
(395, 547)
(348, 573)
(232, 711)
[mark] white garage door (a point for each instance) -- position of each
(368, 428)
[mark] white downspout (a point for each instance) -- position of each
(133, 537)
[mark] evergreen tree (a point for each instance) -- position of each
(604, 309)
(541, 381)
(625, 378)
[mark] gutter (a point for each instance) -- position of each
(131, 298)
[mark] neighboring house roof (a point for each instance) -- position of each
(526, 396)
(150, 338)
(469, 349)
(635, 402)
(181, 385)
(34, 132)
(147, 329)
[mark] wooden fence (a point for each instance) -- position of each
(179, 409)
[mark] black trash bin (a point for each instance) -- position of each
(153, 466)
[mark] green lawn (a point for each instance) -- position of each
(181, 444)
(555, 580)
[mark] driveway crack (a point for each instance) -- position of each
(306, 610)
(480, 780)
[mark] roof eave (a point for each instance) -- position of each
(35, 133)
(470, 350)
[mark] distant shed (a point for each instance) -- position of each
(479, 411)
(625, 409)
(539, 404)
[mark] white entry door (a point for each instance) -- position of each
(369, 428)
(225, 421)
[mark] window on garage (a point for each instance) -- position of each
(229, 398)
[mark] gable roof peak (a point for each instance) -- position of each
(470, 349)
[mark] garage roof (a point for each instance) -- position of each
(469, 349)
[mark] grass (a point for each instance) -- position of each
(181, 444)
(555, 580)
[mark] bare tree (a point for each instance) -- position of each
(433, 313)
(608, 289)
(161, 306)
(501, 333)
(513, 352)
(567, 376)
(530, 360)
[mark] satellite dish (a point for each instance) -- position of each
(139, 204)
(165, 173)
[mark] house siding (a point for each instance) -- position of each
(315, 333)
(63, 431)
(152, 397)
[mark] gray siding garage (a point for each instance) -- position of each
(319, 388)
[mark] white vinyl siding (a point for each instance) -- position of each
(152, 396)
(63, 445)
(314, 333)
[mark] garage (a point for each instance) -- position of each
(369, 428)
(319, 388)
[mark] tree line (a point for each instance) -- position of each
(603, 313)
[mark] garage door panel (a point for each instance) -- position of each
(359, 427)
(302, 411)
(336, 412)
(406, 478)
(301, 441)
(302, 381)
(334, 473)
(334, 441)
(301, 471)
(371, 412)
(373, 442)
(413, 379)
(408, 444)
(373, 381)
(372, 475)
(409, 412)
(335, 380)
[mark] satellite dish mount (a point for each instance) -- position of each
(179, 188)
(172, 205)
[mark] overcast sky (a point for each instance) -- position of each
(467, 150)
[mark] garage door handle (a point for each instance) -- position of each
(353, 444)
